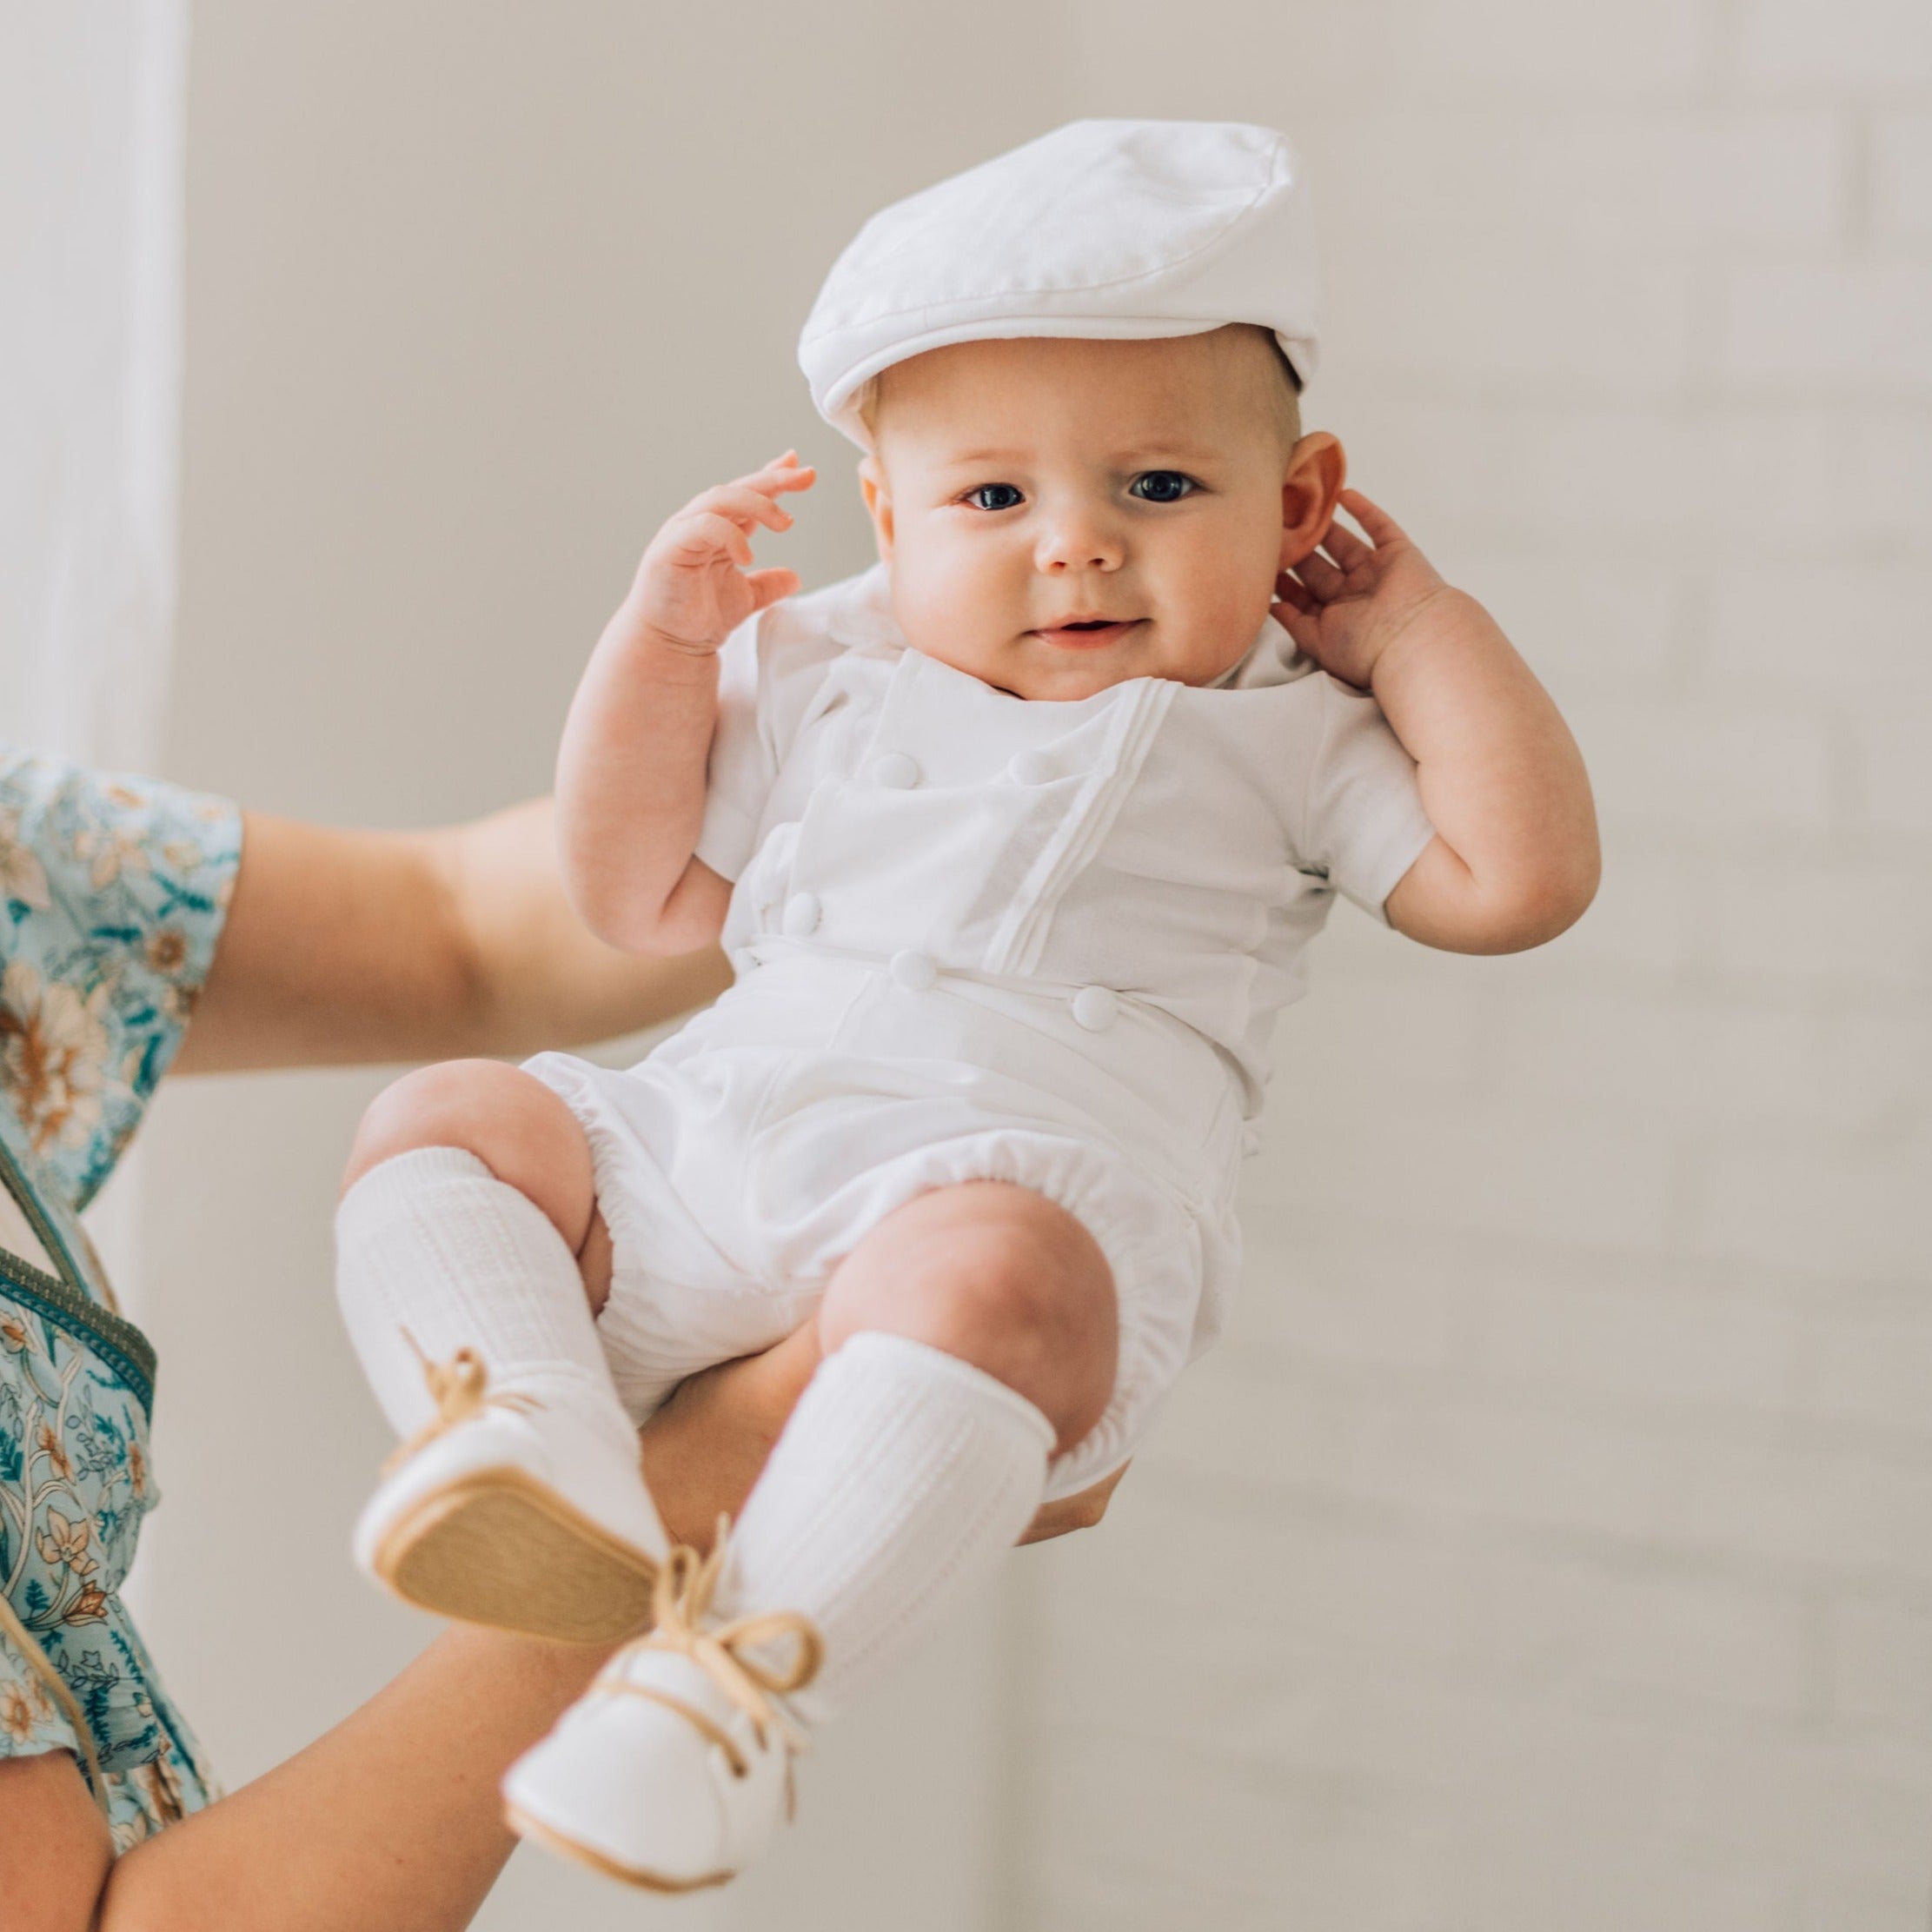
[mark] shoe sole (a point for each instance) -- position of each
(552, 1840)
(499, 1547)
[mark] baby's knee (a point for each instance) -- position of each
(1001, 1278)
(510, 1121)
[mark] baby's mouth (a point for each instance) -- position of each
(1088, 634)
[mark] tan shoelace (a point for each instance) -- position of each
(726, 1654)
(460, 1388)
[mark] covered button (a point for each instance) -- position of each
(803, 914)
(897, 771)
(1096, 1008)
(915, 971)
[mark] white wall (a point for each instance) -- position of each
(1550, 1547)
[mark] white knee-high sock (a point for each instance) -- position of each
(903, 1476)
(431, 1245)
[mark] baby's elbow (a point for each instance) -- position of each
(625, 929)
(624, 919)
(1547, 905)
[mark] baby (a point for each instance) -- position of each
(1016, 842)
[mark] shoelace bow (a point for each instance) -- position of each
(727, 1653)
(460, 1388)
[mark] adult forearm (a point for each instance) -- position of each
(344, 946)
(541, 977)
(391, 1820)
(1516, 857)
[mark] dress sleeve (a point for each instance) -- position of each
(1362, 821)
(30, 1721)
(113, 892)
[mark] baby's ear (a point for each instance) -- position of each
(1317, 467)
(878, 503)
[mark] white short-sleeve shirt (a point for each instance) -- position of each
(1157, 842)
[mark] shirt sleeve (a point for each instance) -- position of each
(1363, 824)
(744, 762)
(772, 674)
(113, 894)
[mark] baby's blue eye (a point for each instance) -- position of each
(993, 496)
(1161, 486)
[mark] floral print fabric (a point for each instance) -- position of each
(112, 894)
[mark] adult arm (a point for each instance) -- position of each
(343, 946)
(390, 1822)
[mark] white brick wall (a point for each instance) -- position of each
(1548, 1547)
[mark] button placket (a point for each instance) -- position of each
(896, 771)
(1096, 1008)
(916, 972)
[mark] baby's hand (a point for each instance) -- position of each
(696, 586)
(1346, 613)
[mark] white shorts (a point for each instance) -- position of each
(750, 1153)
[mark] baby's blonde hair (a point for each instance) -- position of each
(1283, 389)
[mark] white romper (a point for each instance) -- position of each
(981, 938)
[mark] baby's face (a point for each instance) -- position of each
(1060, 515)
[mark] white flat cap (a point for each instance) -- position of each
(1100, 228)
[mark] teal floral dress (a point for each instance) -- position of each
(112, 896)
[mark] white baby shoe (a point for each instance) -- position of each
(524, 1513)
(674, 1770)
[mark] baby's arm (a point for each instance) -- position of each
(631, 772)
(1514, 861)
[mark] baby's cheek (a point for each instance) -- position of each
(942, 607)
(1221, 616)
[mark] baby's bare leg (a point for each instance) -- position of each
(965, 1340)
(514, 1123)
(999, 1276)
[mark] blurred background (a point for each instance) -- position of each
(1549, 1548)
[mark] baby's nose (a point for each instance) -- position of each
(1077, 545)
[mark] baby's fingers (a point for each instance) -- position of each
(1381, 528)
(769, 586)
(782, 475)
(1344, 546)
(743, 504)
(1322, 577)
(699, 534)
(1295, 595)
